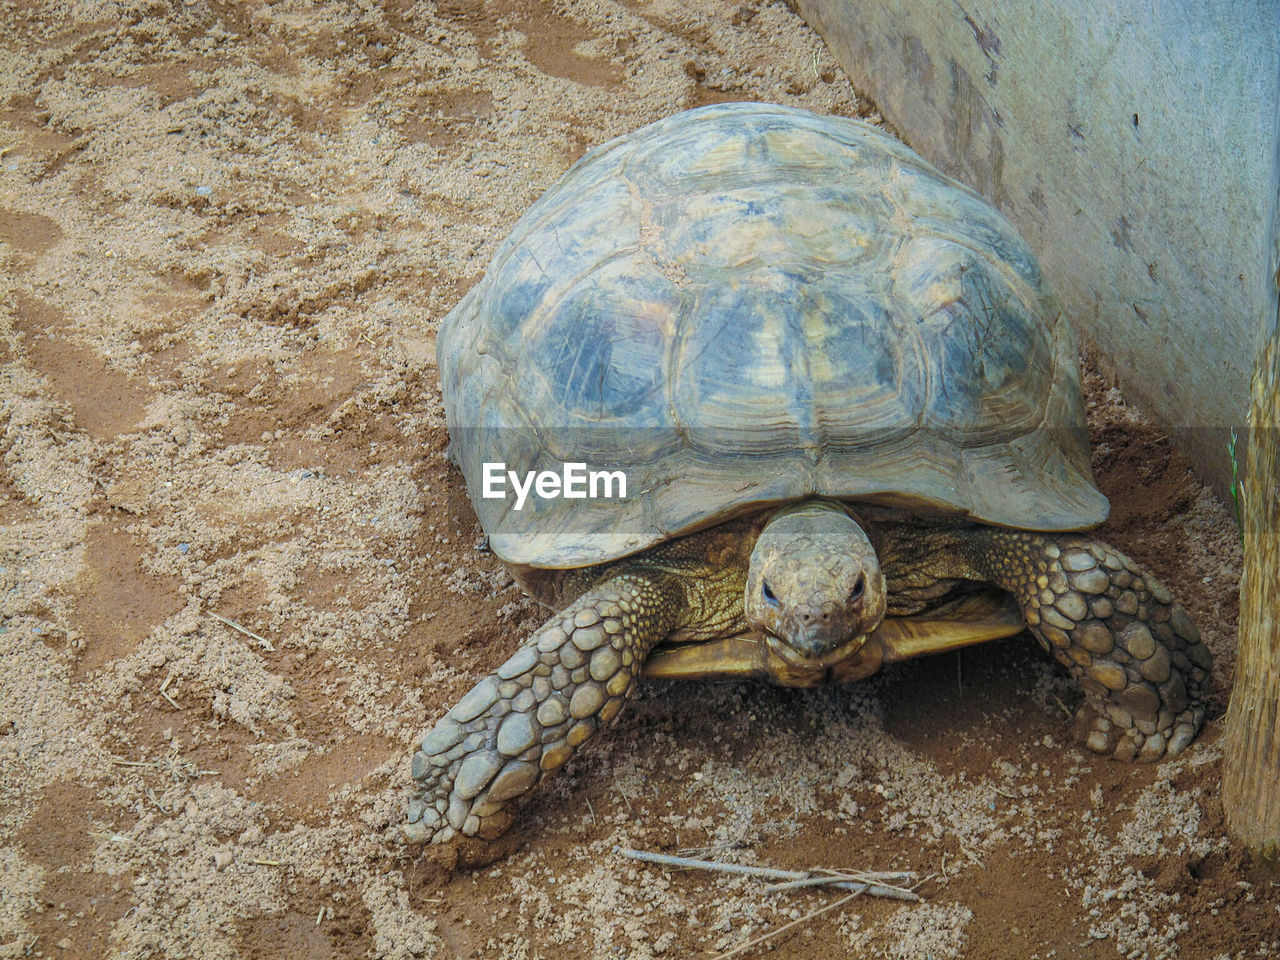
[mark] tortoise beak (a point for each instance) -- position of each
(854, 659)
(815, 640)
(811, 649)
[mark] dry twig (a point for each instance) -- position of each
(876, 883)
(827, 878)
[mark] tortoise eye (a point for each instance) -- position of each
(768, 594)
(858, 590)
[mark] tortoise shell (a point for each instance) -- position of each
(747, 304)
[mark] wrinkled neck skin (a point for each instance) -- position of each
(814, 584)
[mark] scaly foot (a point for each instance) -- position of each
(1137, 654)
(524, 721)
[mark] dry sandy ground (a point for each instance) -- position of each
(228, 233)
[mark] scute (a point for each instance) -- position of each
(941, 207)
(598, 354)
(747, 304)
(791, 381)
(799, 228)
(567, 242)
(992, 369)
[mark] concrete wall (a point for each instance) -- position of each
(1134, 145)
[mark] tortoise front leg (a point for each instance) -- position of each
(522, 722)
(1136, 653)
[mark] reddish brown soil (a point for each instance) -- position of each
(228, 233)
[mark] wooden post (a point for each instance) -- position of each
(1251, 769)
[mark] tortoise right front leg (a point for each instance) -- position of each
(522, 722)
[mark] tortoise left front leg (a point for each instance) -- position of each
(1137, 654)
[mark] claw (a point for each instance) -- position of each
(1183, 734)
(1128, 746)
(417, 832)
(1153, 749)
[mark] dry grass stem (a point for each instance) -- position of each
(785, 927)
(180, 770)
(109, 837)
(267, 645)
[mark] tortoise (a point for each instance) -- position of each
(848, 414)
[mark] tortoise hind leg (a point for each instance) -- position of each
(524, 721)
(1136, 653)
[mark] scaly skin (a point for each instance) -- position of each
(524, 721)
(1135, 652)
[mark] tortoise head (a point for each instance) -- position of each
(814, 586)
